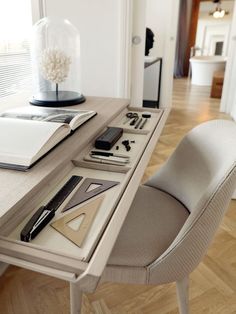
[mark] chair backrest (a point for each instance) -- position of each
(200, 162)
(201, 173)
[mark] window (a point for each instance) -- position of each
(15, 29)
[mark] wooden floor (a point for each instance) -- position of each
(213, 283)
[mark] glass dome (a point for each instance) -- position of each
(55, 63)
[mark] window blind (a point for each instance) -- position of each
(15, 61)
(15, 73)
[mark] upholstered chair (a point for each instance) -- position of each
(176, 213)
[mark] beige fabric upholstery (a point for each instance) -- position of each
(154, 220)
(125, 274)
(201, 174)
(200, 161)
(191, 244)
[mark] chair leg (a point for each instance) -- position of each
(183, 295)
(75, 298)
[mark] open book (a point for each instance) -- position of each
(28, 133)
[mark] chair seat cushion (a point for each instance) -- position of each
(154, 220)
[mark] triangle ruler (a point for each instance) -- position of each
(89, 188)
(66, 225)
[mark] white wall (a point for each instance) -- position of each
(162, 18)
(156, 21)
(228, 100)
(138, 47)
(102, 43)
(99, 26)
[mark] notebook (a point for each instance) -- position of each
(28, 133)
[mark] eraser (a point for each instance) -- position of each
(146, 114)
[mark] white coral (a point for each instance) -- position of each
(55, 65)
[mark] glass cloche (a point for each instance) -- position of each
(56, 63)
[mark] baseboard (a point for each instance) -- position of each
(3, 267)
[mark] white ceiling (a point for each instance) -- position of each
(207, 6)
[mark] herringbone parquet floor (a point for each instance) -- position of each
(213, 283)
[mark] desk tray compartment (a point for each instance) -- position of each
(52, 248)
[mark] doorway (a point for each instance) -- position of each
(161, 17)
(203, 59)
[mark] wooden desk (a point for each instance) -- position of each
(23, 192)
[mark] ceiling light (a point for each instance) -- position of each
(218, 13)
(222, 13)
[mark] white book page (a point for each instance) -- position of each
(22, 140)
(81, 117)
(72, 117)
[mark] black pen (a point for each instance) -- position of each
(138, 123)
(143, 124)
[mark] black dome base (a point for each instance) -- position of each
(60, 99)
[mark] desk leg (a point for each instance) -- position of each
(3, 267)
(75, 298)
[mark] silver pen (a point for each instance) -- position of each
(108, 154)
(101, 161)
(120, 160)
